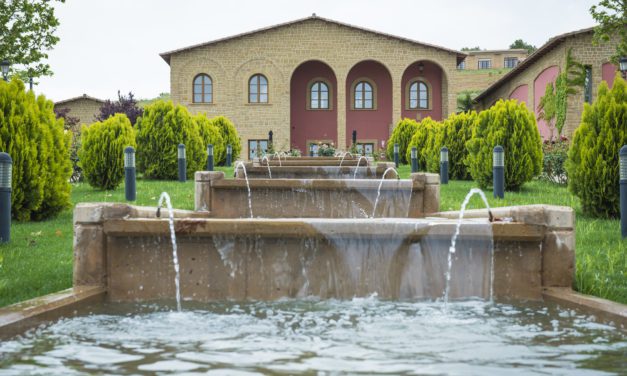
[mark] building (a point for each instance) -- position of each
(527, 82)
(493, 59)
(315, 80)
(84, 107)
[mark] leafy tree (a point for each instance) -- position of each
(124, 105)
(519, 43)
(27, 28)
(465, 100)
(471, 48)
(611, 16)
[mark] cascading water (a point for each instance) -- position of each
(357, 167)
(277, 154)
(250, 199)
(454, 241)
(374, 208)
(265, 157)
(177, 279)
(344, 156)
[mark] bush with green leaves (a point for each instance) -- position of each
(229, 136)
(510, 124)
(35, 140)
(592, 166)
(159, 131)
(554, 161)
(457, 130)
(101, 154)
(401, 135)
(423, 140)
(211, 135)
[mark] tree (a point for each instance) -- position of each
(27, 28)
(519, 43)
(611, 16)
(471, 48)
(465, 100)
(124, 105)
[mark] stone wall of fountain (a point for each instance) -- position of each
(279, 171)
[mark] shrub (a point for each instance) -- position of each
(422, 139)
(511, 125)
(430, 153)
(71, 124)
(158, 132)
(229, 136)
(592, 165)
(102, 151)
(402, 134)
(326, 150)
(210, 134)
(34, 137)
(124, 105)
(554, 161)
(457, 131)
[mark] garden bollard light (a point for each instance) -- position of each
(311, 150)
(229, 155)
(209, 157)
(498, 171)
(444, 165)
(623, 190)
(182, 163)
(414, 159)
(396, 155)
(129, 174)
(6, 166)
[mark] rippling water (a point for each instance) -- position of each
(321, 337)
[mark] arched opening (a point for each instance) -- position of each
(418, 104)
(520, 93)
(608, 72)
(368, 105)
(313, 105)
(539, 87)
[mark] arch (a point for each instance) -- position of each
(418, 94)
(310, 124)
(434, 77)
(373, 124)
(608, 73)
(258, 88)
(363, 94)
(520, 93)
(202, 89)
(549, 74)
(319, 94)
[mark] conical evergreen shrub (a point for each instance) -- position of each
(229, 136)
(210, 134)
(401, 135)
(423, 140)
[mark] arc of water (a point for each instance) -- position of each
(451, 249)
(177, 279)
(344, 156)
(358, 162)
(250, 200)
(277, 154)
(374, 208)
(267, 165)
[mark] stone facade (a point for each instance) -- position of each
(496, 58)
(552, 56)
(278, 51)
(85, 108)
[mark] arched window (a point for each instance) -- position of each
(258, 89)
(418, 95)
(203, 89)
(319, 95)
(363, 96)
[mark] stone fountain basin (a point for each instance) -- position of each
(317, 161)
(255, 171)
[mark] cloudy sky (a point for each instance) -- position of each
(108, 45)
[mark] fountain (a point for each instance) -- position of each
(175, 259)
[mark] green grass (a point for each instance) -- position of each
(38, 260)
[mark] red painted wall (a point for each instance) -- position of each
(608, 72)
(369, 124)
(433, 74)
(311, 124)
(539, 87)
(521, 93)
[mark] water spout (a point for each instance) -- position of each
(358, 162)
(250, 200)
(277, 154)
(177, 279)
(374, 208)
(265, 157)
(344, 156)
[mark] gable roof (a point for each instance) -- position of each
(166, 55)
(84, 96)
(543, 50)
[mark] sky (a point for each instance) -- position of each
(111, 45)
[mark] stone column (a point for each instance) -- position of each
(342, 97)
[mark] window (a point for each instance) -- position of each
(484, 64)
(257, 148)
(203, 89)
(258, 89)
(365, 149)
(418, 95)
(587, 85)
(510, 62)
(319, 96)
(363, 96)
(462, 65)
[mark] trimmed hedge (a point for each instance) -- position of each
(210, 134)
(159, 131)
(229, 136)
(592, 165)
(101, 154)
(34, 137)
(456, 133)
(511, 125)
(402, 134)
(423, 140)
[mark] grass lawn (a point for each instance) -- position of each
(39, 258)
